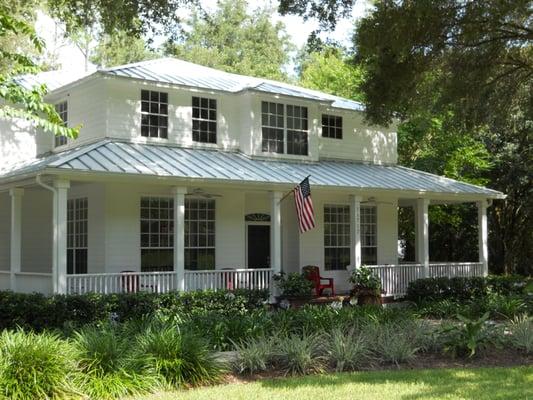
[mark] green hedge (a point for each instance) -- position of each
(461, 289)
(39, 312)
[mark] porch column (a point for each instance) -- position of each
(16, 235)
(179, 236)
(422, 234)
(275, 231)
(355, 205)
(483, 233)
(60, 235)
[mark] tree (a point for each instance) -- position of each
(330, 72)
(18, 102)
(120, 48)
(235, 41)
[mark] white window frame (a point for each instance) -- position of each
(62, 109)
(78, 231)
(149, 220)
(369, 231)
(335, 127)
(158, 114)
(208, 120)
(189, 221)
(285, 128)
(344, 240)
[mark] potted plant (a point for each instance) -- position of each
(366, 286)
(294, 288)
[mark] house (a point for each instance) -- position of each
(176, 182)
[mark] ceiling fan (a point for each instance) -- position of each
(372, 200)
(199, 192)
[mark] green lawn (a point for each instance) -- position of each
(478, 384)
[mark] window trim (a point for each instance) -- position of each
(329, 126)
(158, 114)
(285, 128)
(200, 119)
(60, 140)
(74, 234)
(375, 224)
(348, 224)
(206, 220)
(170, 234)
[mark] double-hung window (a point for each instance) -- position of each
(204, 120)
(284, 128)
(336, 237)
(77, 236)
(331, 126)
(154, 114)
(157, 234)
(62, 110)
(369, 241)
(199, 234)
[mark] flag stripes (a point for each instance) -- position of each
(304, 206)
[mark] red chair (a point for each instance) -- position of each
(312, 273)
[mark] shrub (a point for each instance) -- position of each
(34, 366)
(466, 337)
(521, 330)
(299, 354)
(253, 355)
(346, 349)
(363, 279)
(293, 284)
(110, 366)
(392, 342)
(182, 358)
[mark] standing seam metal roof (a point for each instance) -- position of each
(164, 161)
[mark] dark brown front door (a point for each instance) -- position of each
(258, 246)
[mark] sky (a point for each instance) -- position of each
(71, 58)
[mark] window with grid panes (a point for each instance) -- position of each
(157, 234)
(199, 234)
(62, 110)
(273, 123)
(204, 120)
(297, 130)
(331, 126)
(154, 114)
(336, 237)
(77, 236)
(369, 235)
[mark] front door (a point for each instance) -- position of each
(258, 246)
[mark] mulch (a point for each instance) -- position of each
(489, 358)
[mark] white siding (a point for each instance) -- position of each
(37, 230)
(20, 141)
(230, 230)
(5, 231)
(360, 141)
(290, 236)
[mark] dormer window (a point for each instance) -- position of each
(204, 120)
(154, 114)
(62, 110)
(331, 126)
(284, 134)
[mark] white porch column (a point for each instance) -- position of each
(179, 236)
(16, 234)
(483, 234)
(275, 231)
(60, 235)
(422, 234)
(355, 226)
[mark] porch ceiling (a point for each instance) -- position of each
(118, 157)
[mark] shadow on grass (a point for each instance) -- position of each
(478, 383)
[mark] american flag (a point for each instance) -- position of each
(304, 206)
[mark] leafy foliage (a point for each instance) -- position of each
(363, 279)
(466, 337)
(34, 366)
(293, 284)
(120, 48)
(299, 354)
(253, 354)
(521, 329)
(346, 349)
(235, 41)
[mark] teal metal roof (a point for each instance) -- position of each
(120, 157)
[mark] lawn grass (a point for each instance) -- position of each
(478, 384)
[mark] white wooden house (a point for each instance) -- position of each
(176, 178)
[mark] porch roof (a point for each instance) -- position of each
(119, 157)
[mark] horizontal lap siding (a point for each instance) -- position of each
(37, 230)
(5, 227)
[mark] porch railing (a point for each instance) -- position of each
(396, 278)
(162, 282)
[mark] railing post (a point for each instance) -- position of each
(355, 227)
(483, 234)
(16, 235)
(422, 234)
(179, 236)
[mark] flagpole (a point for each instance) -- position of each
(290, 191)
